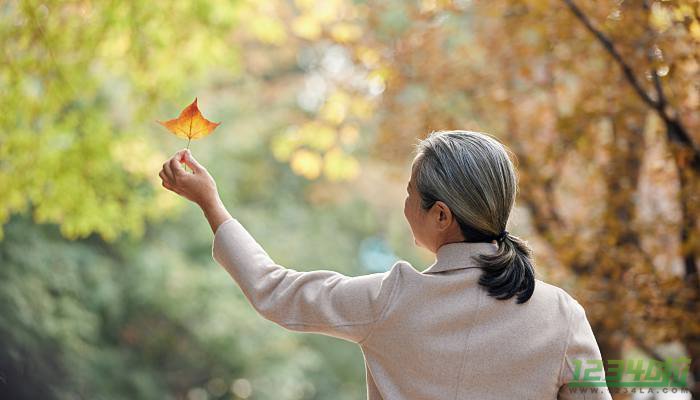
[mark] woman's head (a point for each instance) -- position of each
(462, 188)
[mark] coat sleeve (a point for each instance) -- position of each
(321, 301)
(581, 345)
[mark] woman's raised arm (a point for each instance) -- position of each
(321, 301)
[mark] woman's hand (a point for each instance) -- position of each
(197, 186)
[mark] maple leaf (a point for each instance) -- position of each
(190, 124)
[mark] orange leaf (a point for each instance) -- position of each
(190, 124)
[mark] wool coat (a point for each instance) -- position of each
(434, 334)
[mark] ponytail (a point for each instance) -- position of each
(508, 272)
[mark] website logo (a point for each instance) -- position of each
(638, 373)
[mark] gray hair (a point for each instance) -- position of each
(473, 174)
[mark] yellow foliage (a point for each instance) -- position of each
(317, 135)
(327, 10)
(335, 108)
(340, 166)
(268, 29)
(136, 156)
(344, 32)
(383, 74)
(661, 18)
(313, 135)
(367, 55)
(306, 163)
(306, 27)
(683, 11)
(695, 30)
(283, 145)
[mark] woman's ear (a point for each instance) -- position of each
(442, 215)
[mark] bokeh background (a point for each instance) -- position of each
(107, 285)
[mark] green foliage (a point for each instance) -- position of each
(81, 84)
(143, 319)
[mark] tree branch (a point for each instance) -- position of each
(676, 132)
(610, 48)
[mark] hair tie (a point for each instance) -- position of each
(502, 236)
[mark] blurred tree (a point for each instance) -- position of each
(155, 318)
(82, 83)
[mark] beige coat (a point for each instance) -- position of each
(434, 334)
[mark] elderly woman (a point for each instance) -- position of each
(476, 324)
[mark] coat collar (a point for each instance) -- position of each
(457, 255)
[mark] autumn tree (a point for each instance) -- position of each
(600, 105)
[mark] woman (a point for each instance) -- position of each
(475, 324)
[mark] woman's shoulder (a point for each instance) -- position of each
(555, 295)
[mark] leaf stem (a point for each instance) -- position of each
(189, 139)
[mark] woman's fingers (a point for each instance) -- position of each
(166, 182)
(191, 162)
(175, 166)
(168, 172)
